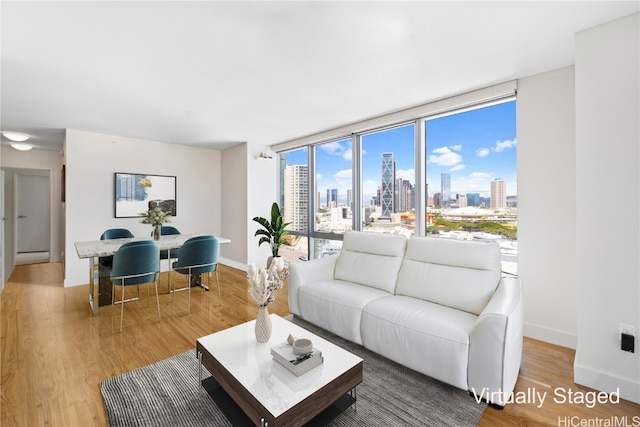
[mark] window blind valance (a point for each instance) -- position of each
(440, 106)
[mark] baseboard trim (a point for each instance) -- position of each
(552, 336)
(605, 381)
(232, 263)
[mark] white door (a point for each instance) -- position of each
(32, 213)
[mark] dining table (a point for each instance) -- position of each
(94, 249)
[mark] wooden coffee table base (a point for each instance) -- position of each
(297, 415)
(237, 418)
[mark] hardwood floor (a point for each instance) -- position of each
(54, 353)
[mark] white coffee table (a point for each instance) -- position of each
(267, 393)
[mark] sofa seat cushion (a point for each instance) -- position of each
(336, 306)
(371, 259)
(430, 338)
(459, 274)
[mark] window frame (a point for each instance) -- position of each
(506, 92)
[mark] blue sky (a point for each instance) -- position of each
(475, 147)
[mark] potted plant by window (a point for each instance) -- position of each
(272, 232)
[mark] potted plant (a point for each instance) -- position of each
(272, 232)
(156, 217)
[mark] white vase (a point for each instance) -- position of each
(263, 324)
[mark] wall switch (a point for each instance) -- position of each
(627, 343)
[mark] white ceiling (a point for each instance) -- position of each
(213, 74)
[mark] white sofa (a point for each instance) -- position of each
(438, 306)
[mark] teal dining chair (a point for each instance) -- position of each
(113, 233)
(198, 255)
(104, 265)
(135, 263)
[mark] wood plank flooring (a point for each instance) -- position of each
(54, 353)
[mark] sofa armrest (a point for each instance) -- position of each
(305, 272)
(495, 344)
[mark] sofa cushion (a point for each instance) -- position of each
(455, 273)
(336, 306)
(371, 259)
(424, 336)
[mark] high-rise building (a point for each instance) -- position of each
(332, 198)
(388, 178)
(473, 199)
(296, 196)
(498, 194)
(404, 195)
(350, 199)
(445, 189)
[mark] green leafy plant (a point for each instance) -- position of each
(156, 217)
(274, 231)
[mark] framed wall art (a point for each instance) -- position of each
(136, 193)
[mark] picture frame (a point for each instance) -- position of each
(135, 193)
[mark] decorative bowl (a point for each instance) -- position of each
(302, 346)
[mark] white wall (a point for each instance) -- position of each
(547, 205)
(262, 191)
(233, 167)
(92, 159)
(608, 204)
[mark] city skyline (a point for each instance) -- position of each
(473, 147)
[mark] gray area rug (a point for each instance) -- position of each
(166, 393)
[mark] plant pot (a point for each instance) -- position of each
(277, 259)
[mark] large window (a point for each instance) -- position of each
(388, 180)
(450, 175)
(472, 179)
(294, 200)
(334, 187)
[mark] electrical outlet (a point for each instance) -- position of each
(626, 329)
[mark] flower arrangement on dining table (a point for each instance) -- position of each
(263, 282)
(156, 217)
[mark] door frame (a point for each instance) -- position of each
(10, 189)
(47, 202)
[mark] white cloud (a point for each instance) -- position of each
(483, 152)
(347, 154)
(457, 147)
(443, 156)
(503, 145)
(458, 167)
(332, 148)
(336, 148)
(475, 182)
(369, 188)
(342, 175)
(408, 174)
(318, 177)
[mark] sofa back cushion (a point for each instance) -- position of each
(371, 259)
(455, 273)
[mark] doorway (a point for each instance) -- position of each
(32, 216)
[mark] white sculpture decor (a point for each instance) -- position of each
(263, 282)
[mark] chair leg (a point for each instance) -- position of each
(113, 300)
(218, 285)
(169, 273)
(155, 282)
(189, 291)
(122, 306)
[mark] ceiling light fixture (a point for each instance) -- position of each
(15, 136)
(21, 147)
